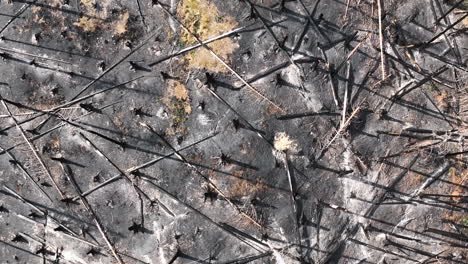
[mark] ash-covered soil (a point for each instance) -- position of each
(253, 131)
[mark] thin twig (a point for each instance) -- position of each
(352, 52)
(292, 188)
(382, 56)
(346, 98)
(340, 130)
(330, 76)
(347, 8)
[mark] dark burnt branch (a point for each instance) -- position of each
(199, 173)
(433, 178)
(121, 143)
(255, 246)
(15, 163)
(318, 219)
(250, 126)
(97, 221)
(33, 149)
(35, 56)
(18, 14)
(295, 204)
(331, 73)
(113, 66)
(445, 30)
(134, 169)
(448, 12)
(249, 259)
(438, 110)
(41, 213)
(307, 114)
(310, 16)
(379, 199)
(35, 137)
(278, 43)
(418, 70)
(137, 189)
(188, 49)
(234, 72)
(141, 14)
(298, 44)
(72, 102)
(399, 94)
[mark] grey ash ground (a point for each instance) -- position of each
(306, 131)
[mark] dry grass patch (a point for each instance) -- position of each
(457, 218)
(458, 178)
(204, 20)
(414, 180)
(272, 110)
(442, 100)
(121, 25)
(87, 24)
(283, 142)
(177, 101)
(243, 187)
(97, 18)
